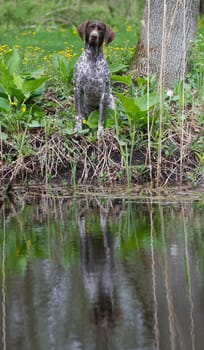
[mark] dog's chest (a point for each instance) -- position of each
(91, 73)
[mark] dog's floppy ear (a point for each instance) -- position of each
(109, 35)
(81, 29)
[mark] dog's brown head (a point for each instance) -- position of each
(95, 33)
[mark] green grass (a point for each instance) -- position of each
(43, 43)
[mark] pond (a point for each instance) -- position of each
(101, 273)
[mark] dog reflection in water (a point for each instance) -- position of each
(97, 266)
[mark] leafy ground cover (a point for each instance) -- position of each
(146, 140)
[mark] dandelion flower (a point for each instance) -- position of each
(23, 108)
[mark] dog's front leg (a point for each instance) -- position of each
(79, 101)
(102, 110)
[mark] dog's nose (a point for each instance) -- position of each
(94, 35)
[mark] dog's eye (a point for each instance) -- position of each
(100, 28)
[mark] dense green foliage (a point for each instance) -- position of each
(37, 13)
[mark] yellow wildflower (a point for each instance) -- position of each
(23, 108)
(129, 28)
(74, 31)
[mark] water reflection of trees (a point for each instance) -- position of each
(166, 277)
(139, 261)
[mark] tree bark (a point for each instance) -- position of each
(202, 7)
(172, 25)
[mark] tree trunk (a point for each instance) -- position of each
(172, 25)
(202, 7)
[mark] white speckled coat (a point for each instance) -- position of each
(91, 76)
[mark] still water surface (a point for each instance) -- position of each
(101, 274)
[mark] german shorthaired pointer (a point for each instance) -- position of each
(91, 76)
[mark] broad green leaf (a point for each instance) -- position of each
(92, 121)
(141, 81)
(131, 108)
(2, 91)
(200, 158)
(136, 108)
(84, 131)
(11, 84)
(12, 61)
(64, 66)
(4, 104)
(6, 80)
(114, 68)
(122, 79)
(34, 124)
(18, 81)
(3, 136)
(72, 62)
(109, 119)
(34, 75)
(143, 102)
(93, 118)
(68, 131)
(13, 92)
(31, 86)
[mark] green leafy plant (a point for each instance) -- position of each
(109, 122)
(17, 89)
(196, 62)
(64, 67)
(136, 107)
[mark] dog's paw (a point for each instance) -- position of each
(78, 126)
(100, 132)
(111, 102)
